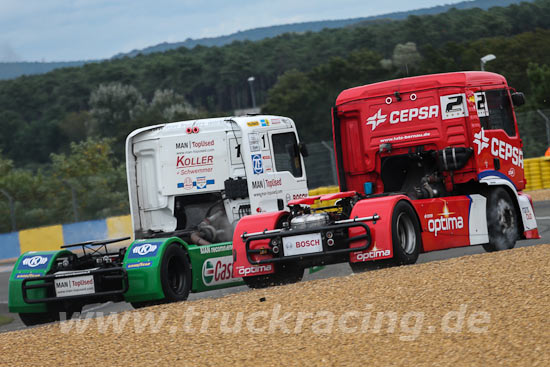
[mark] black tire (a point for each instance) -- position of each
(32, 319)
(406, 238)
(502, 221)
(284, 274)
(405, 241)
(175, 274)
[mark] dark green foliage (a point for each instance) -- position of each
(297, 75)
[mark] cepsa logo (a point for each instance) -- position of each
(445, 222)
(405, 115)
(499, 148)
(242, 271)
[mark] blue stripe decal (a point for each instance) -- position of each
(495, 173)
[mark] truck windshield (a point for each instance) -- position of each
(286, 153)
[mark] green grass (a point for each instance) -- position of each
(5, 320)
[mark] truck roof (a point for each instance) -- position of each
(211, 125)
(418, 83)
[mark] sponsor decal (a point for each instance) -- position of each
(499, 148)
(255, 269)
(257, 164)
(218, 270)
(254, 142)
(275, 121)
(373, 254)
(261, 184)
(74, 286)
(264, 122)
(183, 161)
(528, 213)
(215, 249)
(202, 182)
(376, 119)
(511, 172)
(445, 222)
(405, 115)
(481, 141)
(141, 264)
(35, 262)
(146, 249)
(27, 275)
(187, 184)
(203, 143)
(299, 196)
(184, 145)
(253, 123)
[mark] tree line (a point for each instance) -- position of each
(51, 119)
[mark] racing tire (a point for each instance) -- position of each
(32, 319)
(284, 274)
(502, 221)
(406, 239)
(175, 274)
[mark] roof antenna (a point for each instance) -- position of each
(398, 96)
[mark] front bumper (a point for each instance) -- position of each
(103, 283)
(341, 246)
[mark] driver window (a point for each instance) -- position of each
(286, 153)
(500, 113)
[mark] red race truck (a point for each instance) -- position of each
(424, 163)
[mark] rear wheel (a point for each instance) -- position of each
(502, 221)
(175, 274)
(284, 274)
(32, 319)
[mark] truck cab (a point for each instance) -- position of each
(196, 179)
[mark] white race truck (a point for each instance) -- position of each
(189, 183)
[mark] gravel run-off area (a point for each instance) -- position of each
(489, 309)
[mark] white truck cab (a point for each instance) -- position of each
(200, 177)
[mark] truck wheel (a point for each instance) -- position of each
(284, 274)
(502, 221)
(405, 241)
(405, 234)
(175, 274)
(32, 319)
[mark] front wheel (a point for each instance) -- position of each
(175, 274)
(284, 274)
(405, 241)
(502, 221)
(405, 234)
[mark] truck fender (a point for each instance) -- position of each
(381, 231)
(28, 265)
(252, 224)
(142, 263)
(524, 203)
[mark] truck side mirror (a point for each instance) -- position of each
(303, 149)
(518, 99)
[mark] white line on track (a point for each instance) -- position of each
(6, 268)
(543, 218)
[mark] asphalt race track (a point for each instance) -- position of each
(542, 211)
